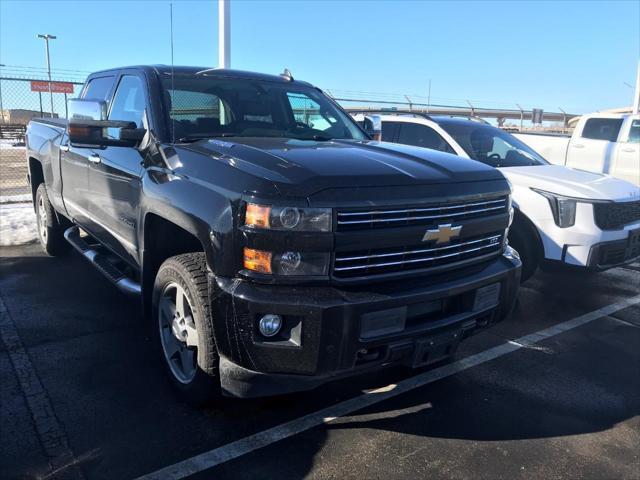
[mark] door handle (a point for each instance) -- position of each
(95, 158)
(628, 150)
(578, 145)
(64, 148)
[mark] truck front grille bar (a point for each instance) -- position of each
(393, 217)
(376, 262)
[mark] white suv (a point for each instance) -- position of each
(562, 215)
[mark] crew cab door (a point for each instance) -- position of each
(75, 161)
(115, 178)
(627, 162)
(592, 147)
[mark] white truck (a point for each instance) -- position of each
(601, 142)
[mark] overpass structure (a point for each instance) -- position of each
(469, 111)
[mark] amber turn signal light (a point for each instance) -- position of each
(257, 260)
(257, 216)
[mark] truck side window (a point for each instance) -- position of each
(389, 131)
(128, 102)
(98, 88)
(602, 129)
(422, 136)
(634, 132)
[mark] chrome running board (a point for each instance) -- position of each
(101, 262)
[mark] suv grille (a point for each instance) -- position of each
(356, 264)
(432, 214)
(613, 216)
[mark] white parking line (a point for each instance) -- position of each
(262, 439)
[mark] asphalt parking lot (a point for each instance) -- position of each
(83, 394)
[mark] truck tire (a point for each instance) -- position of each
(525, 242)
(50, 230)
(183, 327)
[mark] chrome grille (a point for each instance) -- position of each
(356, 264)
(431, 214)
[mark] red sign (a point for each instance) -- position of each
(56, 87)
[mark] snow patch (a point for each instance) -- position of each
(17, 224)
(25, 197)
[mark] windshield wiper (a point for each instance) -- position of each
(194, 137)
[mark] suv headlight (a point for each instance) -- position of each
(563, 208)
(288, 218)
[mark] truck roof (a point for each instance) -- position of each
(192, 70)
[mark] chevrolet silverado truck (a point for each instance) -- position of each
(273, 244)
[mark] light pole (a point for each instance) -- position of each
(1, 107)
(46, 38)
(224, 34)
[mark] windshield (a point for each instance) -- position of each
(202, 106)
(491, 145)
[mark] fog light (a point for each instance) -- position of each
(270, 324)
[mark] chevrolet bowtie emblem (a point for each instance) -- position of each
(443, 234)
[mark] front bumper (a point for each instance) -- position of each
(585, 244)
(612, 254)
(331, 333)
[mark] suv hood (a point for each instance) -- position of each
(341, 163)
(572, 183)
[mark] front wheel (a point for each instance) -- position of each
(525, 246)
(183, 326)
(50, 230)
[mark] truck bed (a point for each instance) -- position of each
(553, 147)
(56, 122)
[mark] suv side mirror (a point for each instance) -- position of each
(373, 126)
(89, 127)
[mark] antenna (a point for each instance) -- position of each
(173, 128)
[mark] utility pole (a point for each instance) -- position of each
(46, 38)
(224, 33)
(636, 99)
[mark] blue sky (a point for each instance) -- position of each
(575, 55)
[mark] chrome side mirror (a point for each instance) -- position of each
(373, 126)
(89, 127)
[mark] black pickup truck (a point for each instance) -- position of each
(273, 243)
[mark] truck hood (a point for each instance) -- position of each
(571, 182)
(341, 163)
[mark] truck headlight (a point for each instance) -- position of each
(563, 208)
(287, 263)
(288, 218)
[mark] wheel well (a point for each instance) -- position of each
(521, 221)
(36, 175)
(163, 239)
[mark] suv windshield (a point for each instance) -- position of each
(204, 106)
(491, 145)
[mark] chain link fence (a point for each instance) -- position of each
(22, 99)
